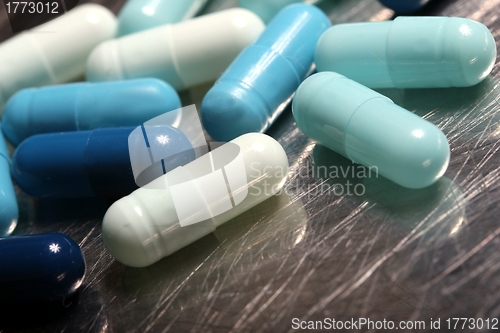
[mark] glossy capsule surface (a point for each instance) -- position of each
(409, 52)
(54, 52)
(191, 201)
(86, 106)
(371, 130)
(8, 203)
(247, 97)
(184, 54)
(138, 15)
(90, 163)
(39, 268)
(404, 6)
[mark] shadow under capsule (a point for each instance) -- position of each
(47, 215)
(49, 211)
(84, 311)
(339, 175)
(431, 8)
(39, 314)
(259, 235)
(434, 211)
(439, 102)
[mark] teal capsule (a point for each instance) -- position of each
(370, 129)
(409, 52)
(138, 15)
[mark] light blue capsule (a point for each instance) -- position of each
(409, 52)
(371, 130)
(86, 106)
(138, 15)
(8, 202)
(246, 98)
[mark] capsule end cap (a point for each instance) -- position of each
(70, 264)
(120, 234)
(427, 161)
(228, 111)
(15, 119)
(477, 50)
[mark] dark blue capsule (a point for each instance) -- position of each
(88, 163)
(39, 268)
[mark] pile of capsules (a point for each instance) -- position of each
(73, 139)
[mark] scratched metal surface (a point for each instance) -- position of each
(389, 253)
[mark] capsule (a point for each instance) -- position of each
(92, 163)
(190, 202)
(266, 9)
(184, 54)
(404, 6)
(409, 52)
(266, 74)
(8, 204)
(371, 130)
(138, 15)
(86, 106)
(39, 268)
(54, 52)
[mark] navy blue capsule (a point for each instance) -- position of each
(404, 6)
(88, 163)
(39, 268)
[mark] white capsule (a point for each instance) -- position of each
(184, 54)
(191, 201)
(54, 52)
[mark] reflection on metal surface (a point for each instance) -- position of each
(388, 253)
(281, 216)
(433, 212)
